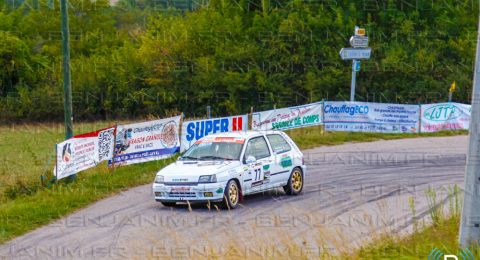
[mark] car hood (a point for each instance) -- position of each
(189, 171)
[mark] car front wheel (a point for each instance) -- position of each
(295, 182)
(231, 196)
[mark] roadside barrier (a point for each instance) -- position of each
(163, 138)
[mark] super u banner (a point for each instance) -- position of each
(147, 141)
(195, 130)
(371, 117)
(288, 118)
(84, 151)
(445, 116)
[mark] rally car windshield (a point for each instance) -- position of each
(214, 151)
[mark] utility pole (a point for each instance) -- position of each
(67, 86)
(470, 222)
(354, 79)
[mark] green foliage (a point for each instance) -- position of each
(147, 57)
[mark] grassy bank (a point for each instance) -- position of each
(27, 153)
(442, 236)
(438, 236)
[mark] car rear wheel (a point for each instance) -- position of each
(231, 195)
(168, 204)
(295, 182)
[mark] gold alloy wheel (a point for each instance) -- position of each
(297, 180)
(233, 193)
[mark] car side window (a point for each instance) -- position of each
(278, 143)
(257, 147)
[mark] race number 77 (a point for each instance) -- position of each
(258, 174)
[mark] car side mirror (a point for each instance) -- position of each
(250, 159)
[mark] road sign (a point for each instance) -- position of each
(355, 53)
(359, 31)
(359, 41)
(356, 65)
(360, 51)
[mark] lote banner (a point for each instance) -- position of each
(147, 141)
(371, 117)
(83, 151)
(445, 116)
(288, 118)
(192, 131)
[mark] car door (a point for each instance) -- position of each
(256, 178)
(282, 164)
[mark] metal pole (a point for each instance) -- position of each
(67, 87)
(352, 87)
(470, 222)
(209, 113)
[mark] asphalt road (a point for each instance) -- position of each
(353, 193)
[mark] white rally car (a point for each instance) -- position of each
(225, 167)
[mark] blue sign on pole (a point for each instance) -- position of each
(356, 66)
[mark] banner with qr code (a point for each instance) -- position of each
(147, 141)
(84, 151)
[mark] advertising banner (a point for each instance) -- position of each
(195, 130)
(147, 141)
(288, 118)
(445, 116)
(371, 117)
(84, 151)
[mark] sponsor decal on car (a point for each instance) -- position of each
(258, 183)
(221, 140)
(180, 189)
(179, 179)
(286, 161)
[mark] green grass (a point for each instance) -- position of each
(443, 236)
(27, 152)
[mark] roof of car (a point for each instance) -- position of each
(242, 134)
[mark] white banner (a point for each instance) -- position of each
(147, 141)
(371, 117)
(445, 116)
(288, 118)
(195, 130)
(84, 151)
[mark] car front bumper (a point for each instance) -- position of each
(192, 192)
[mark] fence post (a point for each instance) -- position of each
(323, 117)
(420, 119)
(250, 119)
(209, 112)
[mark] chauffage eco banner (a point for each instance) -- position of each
(84, 151)
(288, 118)
(147, 141)
(371, 117)
(445, 116)
(192, 131)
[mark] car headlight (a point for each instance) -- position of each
(207, 178)
(159, 179)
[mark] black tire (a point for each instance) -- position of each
(295, 182)
(231, 195)
(168, 204)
